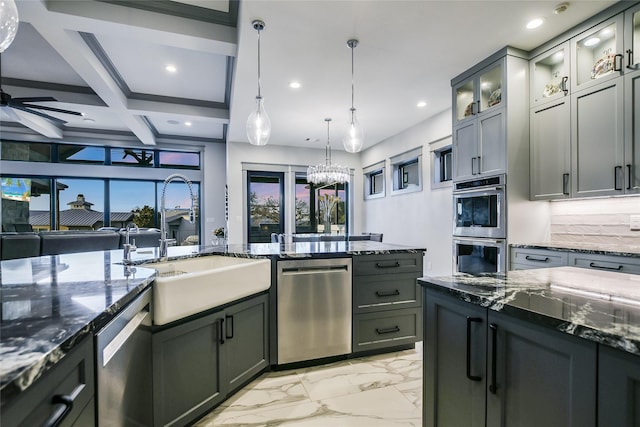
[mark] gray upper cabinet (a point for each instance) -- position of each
(478, 123)
(602, 83)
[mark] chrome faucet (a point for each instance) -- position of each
(127, 247)
(164, 241)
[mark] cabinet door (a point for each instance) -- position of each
(549, 75)
(632, 130)
(632, 39)
(597, 143)
(618, 388)
(597, 54)
(492, 150)
(246, 340)
(550, 150)
(538, 377)
(187, 374)
(465, 150)
(613, 263)
(464, 102)
(454, 362)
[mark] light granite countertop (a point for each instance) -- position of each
(599, 306)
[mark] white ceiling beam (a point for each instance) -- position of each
(145, 107)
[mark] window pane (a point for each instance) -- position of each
(409, 174)
(26, 204)
(81, 204)
(132, 157)
(265, 205)
(445, 165)
(377, 183)
(331, 208)
(305, 206)
(177, 204)
(137, 197)
(25, 151)
(179, 160)
(80, 154)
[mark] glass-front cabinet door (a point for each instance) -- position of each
(465, 101)
(490, 87)
(597, 54)
(632, 39)
(550, 75)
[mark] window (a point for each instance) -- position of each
(374, 181)
(175, 159)
(305, 206)
(177, 204)
(81, 154)
(265, 204)
(407, 171)
(132, 197)
(331, 208)
(26, 151)
(80, 204)
(26, 203)
(441, 163)
(132, 157)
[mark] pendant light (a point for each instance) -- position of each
(327, 173)
(354, 138)
(258, 123)
(8, 23)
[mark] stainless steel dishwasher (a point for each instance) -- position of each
(124, 367)
(314, 309)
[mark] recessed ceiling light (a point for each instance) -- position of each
(295, 85)
(592, 41)
(606, 31)
(534, 23)
(187, 123)
(422, 104)
(171, 68)
(173, 122)
(561, 8)
(89, 120)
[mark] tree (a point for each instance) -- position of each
(144, 217)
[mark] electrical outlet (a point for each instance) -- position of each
(634, 222)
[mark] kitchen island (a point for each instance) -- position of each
(555, 347)
(52, 304)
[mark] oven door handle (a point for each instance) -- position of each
(484, 191)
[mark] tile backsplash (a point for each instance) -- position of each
(595, 221)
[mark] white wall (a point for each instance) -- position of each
(424, 218)
(212, 192)
(280, 156)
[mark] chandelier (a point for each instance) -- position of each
(328, 173)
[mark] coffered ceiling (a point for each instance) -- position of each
(108, 59)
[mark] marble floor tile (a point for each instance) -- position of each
(382, 390)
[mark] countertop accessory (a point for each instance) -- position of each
(258, 123)
(354, 138)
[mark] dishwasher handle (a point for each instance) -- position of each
(123, 336)
(292, 271)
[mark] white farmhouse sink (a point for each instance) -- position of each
(190, 286)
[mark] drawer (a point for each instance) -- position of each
(536, 258)
(386, 329)
(388, 264)
(614, 263)
(72, 377)
(384, 292)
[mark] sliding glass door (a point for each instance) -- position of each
(265, 205)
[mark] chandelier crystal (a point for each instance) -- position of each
(328, 173)
(354, 138)
(258, 123)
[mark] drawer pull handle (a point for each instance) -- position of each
(393, 293)
(65, 405)
(493, 387)
(231, 322)
(387, 330)
(469, 321)
(222, 331)
(605, 267)
(530, 258)
(394, 265)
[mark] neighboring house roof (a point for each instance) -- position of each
(77, 217)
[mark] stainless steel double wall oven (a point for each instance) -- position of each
(479, 225)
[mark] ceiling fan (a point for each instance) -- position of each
(23, 111)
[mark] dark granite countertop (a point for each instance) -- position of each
(600, 306)
(52, 302)
(632, 251)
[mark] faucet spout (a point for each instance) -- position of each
(127, 247)
(164, 241)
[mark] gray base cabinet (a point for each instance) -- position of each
(487, 368)
(196, 364)
(618, 388)
(71, 381)
(529, 258)
(387, 301)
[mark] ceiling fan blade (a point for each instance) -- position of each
(38, 113)
(56, 110)
(34, 99)
(39, 124)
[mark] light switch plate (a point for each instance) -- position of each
(634, 222)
